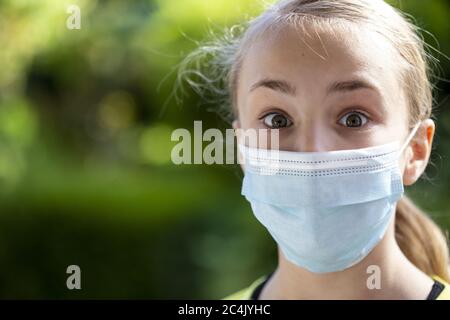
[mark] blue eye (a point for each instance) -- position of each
(276, 120)
(353, 119)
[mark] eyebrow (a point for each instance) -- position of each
(351, 85)
(338, 86)
(277, 85)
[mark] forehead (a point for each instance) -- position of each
(313, 60)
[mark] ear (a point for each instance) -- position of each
(237, 125)
(418, 152)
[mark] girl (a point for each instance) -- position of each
(346, 85)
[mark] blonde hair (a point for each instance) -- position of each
(216, 74)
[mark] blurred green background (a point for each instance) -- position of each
(85, 174)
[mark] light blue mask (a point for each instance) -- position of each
(326, 210)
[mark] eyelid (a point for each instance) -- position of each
(274, 111)
(355, 110)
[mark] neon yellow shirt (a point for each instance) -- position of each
(246, 293)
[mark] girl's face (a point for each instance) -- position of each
(325, 92)
(329, 92)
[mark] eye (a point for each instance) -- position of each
(353, 119)
(276, 120)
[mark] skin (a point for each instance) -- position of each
(318, 122)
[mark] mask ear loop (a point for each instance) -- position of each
(411, 135)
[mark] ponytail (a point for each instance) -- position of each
(421, 240)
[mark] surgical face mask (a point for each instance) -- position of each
(325, 210)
